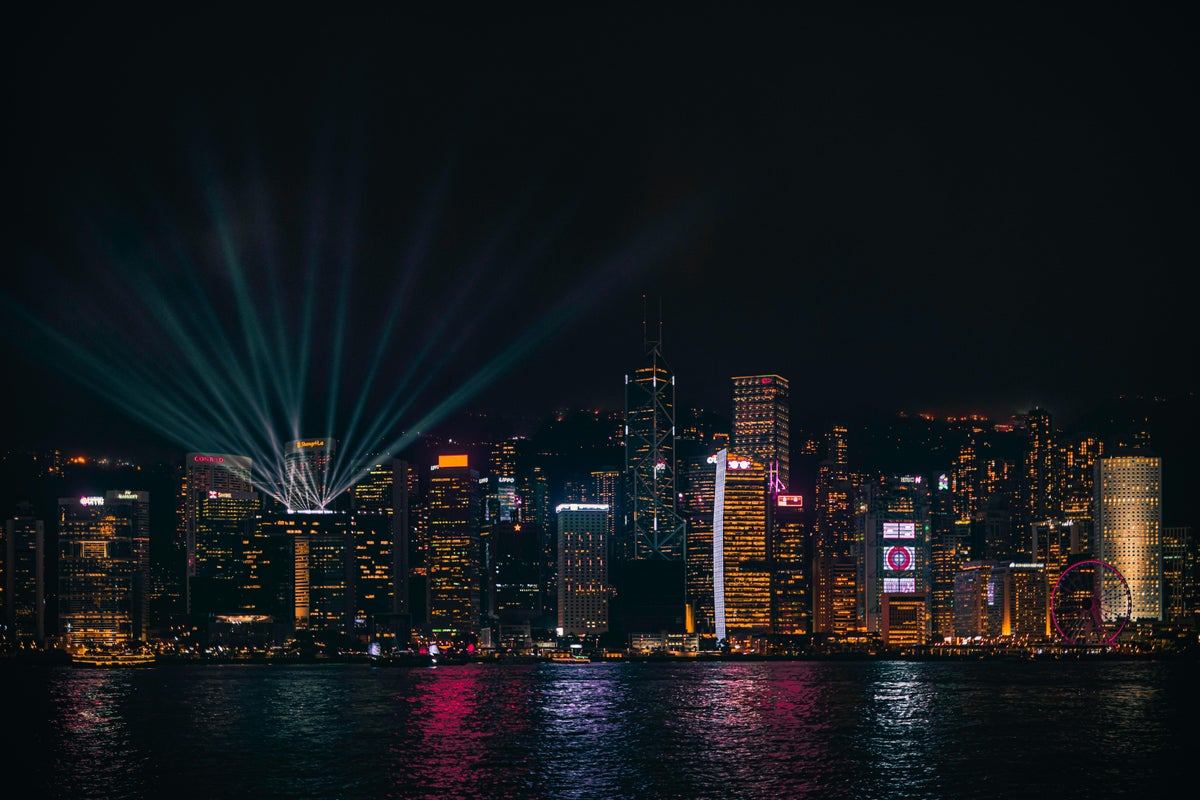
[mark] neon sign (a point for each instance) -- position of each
(737, 464)
(209, 459)
(91, 501)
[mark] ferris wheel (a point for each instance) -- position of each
(1091, 603)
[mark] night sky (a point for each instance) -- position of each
(896, 211)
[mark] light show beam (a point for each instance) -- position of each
(201, 358)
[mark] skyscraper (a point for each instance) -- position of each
(135, 506)
(741, 572)
(647, 571)
(216, 498)
(454, 557)
(761, 425)
(582, 568)
(698, 475)
(652, 529)
(1128, 522)
(308, 465)
(791, 567)
(24, 580)
(96, 566)
(1044, 476)
(835, 561)
(895, 559)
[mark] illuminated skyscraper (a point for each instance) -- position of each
(741, 572)
(949, 549)
(647, 570)
(96, 566)
(997, 599)
(652, 529)
(454, 557)
(582, 568)
(1043, 473)
(216, 500)
(1181, 576)
(835, 596)
(698, 475)
(135, 506)
(761, 424)
(1128, 532)
(791, 567)
(301, 570)
(309, 466)
(1079, 474)
(606, 489)
(895, 557)
(24, 580)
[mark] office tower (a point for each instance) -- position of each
(582, 568)
(760, 425)
(1128, 534)
(949, 546)
(972, 585)
(1181, 576)
(606, 489)
(454, 557)
(217, 529)
(1079, 478)
(994, 536)
(96, 566)
(995, 599)
(835, 568)
(791, 563)
(697, 488)
(515, 567)
(1044, 477)
(373, 491)
(499, 506)
(1024, 600)
(405, 492)
(204, 507)
(652, 528)
(135, 506)
(377, 570)
(1055, 545)
(300, 569)
(894, 556)
(308, 469)
(24, 580)
(741, 572)
(647, 569)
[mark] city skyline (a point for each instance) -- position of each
(921, 213)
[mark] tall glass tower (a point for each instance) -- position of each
(653, 529)
(760, 425)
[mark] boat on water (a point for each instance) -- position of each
(569, 658)
(118, 659)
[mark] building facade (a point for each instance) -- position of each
(582, 568)
(761, 425)
(1128, 527)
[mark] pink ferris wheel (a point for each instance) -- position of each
(1091, 603)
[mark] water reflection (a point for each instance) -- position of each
(858, 731)
(94, 750)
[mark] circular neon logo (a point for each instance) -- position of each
(898, 558)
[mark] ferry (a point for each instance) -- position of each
(120, 659)
(568, 658)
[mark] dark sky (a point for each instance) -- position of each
(894, 210)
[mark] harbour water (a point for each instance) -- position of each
(862, 729)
